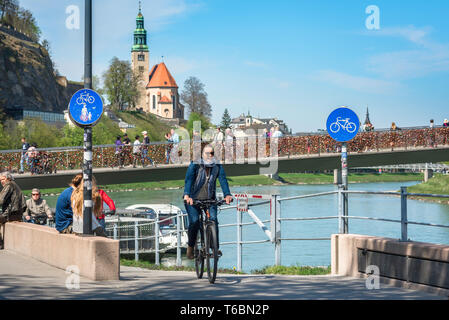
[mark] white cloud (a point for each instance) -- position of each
(357, 83)
(427, 58)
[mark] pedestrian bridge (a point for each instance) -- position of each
(267, 165)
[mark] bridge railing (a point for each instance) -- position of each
(50, 160)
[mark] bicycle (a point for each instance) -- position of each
(343, 124)
(206, 247)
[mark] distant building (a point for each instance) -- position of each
(244, 122)
(367, 125)
(20, 113)
(158, 89)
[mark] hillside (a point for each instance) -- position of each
(27, 78)
(144, 122)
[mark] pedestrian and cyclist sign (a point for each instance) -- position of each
(342, 124)
(85, 108)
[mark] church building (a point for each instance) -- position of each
(158, 89)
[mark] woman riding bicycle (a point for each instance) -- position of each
(200, 184)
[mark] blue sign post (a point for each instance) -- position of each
(343, 125)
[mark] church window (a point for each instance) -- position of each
(154, 101)
(141, 57)
(141, 69)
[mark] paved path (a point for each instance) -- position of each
(25, 278)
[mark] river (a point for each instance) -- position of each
(307, 252)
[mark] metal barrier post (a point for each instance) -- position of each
(404, 236)
(136, 241)
(275, 209)
(178, 236)
(156, 239)
(115, 231)
(239, 240)
(341, 221)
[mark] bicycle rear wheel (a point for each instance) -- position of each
(199, 257)
(211, 251)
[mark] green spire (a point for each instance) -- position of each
(140, 34)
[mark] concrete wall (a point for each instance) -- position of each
(96, 257)
(413, 265)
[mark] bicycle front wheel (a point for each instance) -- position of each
(199, 256)
(211, 251)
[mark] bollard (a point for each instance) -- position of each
(178, 236)
(115, 231)
(156, 239)
(136, 241)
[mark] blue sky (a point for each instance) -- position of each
(294, 60)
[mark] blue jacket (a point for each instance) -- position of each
(64, 213)
(196, 177)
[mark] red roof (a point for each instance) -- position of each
(165, 100)
(160, 77)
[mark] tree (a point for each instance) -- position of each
(205, 123)
(194, 96)
(120, 84)
(225, 120)
(8, 8)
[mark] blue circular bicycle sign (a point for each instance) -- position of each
(342, 124)
(85, 108)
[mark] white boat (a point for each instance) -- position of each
(145, 214)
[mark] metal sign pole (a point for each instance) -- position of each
(87, 164)
(344, 176)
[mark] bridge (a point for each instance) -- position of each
(249, 156)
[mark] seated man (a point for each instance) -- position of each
(36, 207)
(12, 202)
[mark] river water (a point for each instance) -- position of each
(308, 252)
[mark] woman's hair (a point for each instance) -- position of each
(77, 180)
(77, 198)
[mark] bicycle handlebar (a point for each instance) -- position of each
(208, 203)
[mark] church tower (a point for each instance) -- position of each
(140, 57)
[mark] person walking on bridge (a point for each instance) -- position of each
(12, 202)
(200, 184)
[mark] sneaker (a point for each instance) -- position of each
(190, 252)
(219, 253)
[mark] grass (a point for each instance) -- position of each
(152, 266)
(326, 178)
(284, 270)
(438, 184)
(294, 270)
(256, 180)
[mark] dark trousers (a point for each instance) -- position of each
(193, 213)
(3, 220)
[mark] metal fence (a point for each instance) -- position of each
(135, 234)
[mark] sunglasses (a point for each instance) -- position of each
(35, 194)
(211, 153)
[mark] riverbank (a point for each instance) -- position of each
(438, 184)
(258, 180)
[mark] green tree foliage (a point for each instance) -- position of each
(21, 19)
(195, 97)
(120, 84)
(205, 123)
(4, 139)
(226, 119)
(42, 134)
